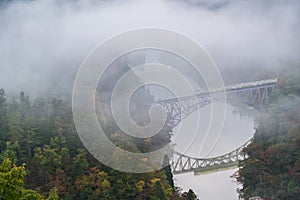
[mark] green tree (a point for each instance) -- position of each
(167, 169)
(51, 156)
(4, 125)
(158, 192)
(53, 194)
(80, 163)
(31, 195)
(12, 183)
(10, 151)
(11, 180)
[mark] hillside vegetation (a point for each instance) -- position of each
(272, 170)
(41, 151)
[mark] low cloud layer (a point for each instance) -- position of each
(42, 43)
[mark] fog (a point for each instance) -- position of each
(42, 43)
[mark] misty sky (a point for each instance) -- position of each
(43, 42)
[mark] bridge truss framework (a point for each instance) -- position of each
(255, 94)
(181, 163)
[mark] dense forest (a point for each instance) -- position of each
(40, 150)
(272, 170)
(42, 155)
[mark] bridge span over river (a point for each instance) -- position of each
(255, 94)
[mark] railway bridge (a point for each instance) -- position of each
(255, 94)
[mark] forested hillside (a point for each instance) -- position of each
(40, 138)
(272, 170)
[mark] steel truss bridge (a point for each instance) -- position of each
(255, 94)
(182, 163)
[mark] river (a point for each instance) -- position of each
(238, 128)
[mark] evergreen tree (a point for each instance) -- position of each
(167, 169)
(191, 195)
(4, 125)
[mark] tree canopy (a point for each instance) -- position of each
(272, 170)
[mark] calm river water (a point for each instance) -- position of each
(238, 128)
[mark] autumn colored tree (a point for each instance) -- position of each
(12, 184)
(271, 170)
